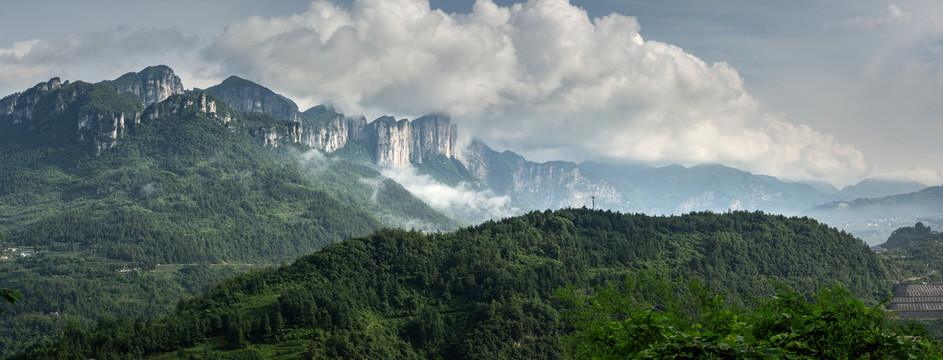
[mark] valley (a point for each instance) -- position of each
(227, 222)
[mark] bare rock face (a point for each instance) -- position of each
(153, 84)
(388, 141)
(244, 95)
(103, 128)
(553, 185)
(333, 132)
(22, 105)
(432, 134)
(198, 101)
(392, 140)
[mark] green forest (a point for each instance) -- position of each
(185, 199)
(506, 289)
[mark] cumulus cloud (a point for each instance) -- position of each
(539, 77)
(459, 202)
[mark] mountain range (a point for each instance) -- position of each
(134, 173)
(431, 144)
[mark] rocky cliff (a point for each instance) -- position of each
(103, 128)
(197, 101)
(244, 95)
(432, 134)
(325, 129)
(403, 142)
(553, 185)
(92, 114)
(151, 85)
(22, 105)
(388, 142)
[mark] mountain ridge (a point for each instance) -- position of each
(391, 142)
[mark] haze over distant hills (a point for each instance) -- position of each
(472, 182)
(137, 171)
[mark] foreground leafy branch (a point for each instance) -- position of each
(649, 317)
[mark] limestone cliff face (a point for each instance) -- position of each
(96, 122)
(388, 142)
(103, 128)
(432, 134)
(392, 140)
(403, 142)
(332, 131)
(153, 84)
(198, 101)
(275, 135)
(244, 95)
(549, 185)
(22, 106)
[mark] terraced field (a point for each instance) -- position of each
(918, 301)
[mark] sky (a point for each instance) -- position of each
(835, 91)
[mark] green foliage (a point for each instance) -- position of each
(181, 188)
(910, 236)
(487, 292)
(916, 253)
(10, 296)
(648, 317)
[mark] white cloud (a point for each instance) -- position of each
(537, 77)
(919, 174)
(460, 202)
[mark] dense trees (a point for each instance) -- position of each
(182, 188)
(908, 237)
(651, 317)
(489, 291)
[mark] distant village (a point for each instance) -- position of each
(12, 252)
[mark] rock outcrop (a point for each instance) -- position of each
(394, 142)
(151, 85)
(103, 128)
(244, 95)
(198, 101)
(100, 123)
(390, 141)
(22, 105)
(432, 134)
(549, 185)
(325, 129)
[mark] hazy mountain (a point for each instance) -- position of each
(530, 185)
(823, 187)
(928, 201)
(675, 189)
(429, 144)
(872, 188)
(873, 220)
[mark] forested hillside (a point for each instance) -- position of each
(120, 210)
(483, 292)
